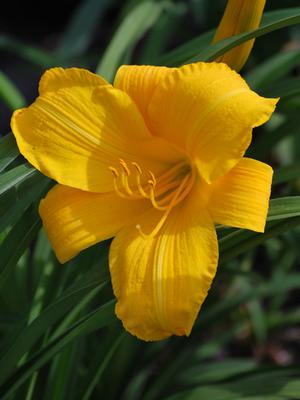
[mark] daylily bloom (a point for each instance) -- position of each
(240, 16)
(155, 160)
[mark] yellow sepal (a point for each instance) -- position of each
(75, 220)
(241, 198)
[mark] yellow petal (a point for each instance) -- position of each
(75, 220)
(209, 110)
(140, 81)
(240, 16)
(78, 127)
(56, 78)
(241, 198)
(161, 282)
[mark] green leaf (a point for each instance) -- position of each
(269, 138)
(271, 22)
(273, 385)
(161, 34)
(284, 207)
(80, 29)
(133, 27)
(61, 377)
(75, 312)
(215, 371)
(284, 88)
(200, 48)
(284, 214)
(289, 105)
(17, 241)
(284, 319)
(269, 289)
(15, 176)
(32, 54)
(273, 69)
(241, 240)
(184, 52)
(257, 319)
(61, 369)
(14, 202)
(97, 319)
(25, 339)
(8, 151)
(103, 364)
(287, 174)
(10, 94)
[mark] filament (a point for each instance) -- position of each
(164, 192)
(178, 196)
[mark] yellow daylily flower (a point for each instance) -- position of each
(154, 161)
(240, 16)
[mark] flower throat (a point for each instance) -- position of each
(165, 191)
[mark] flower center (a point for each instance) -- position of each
(164, 191)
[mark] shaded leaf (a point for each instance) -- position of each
(133, 27)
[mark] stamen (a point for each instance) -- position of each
(152, 197)
(184, 192)
(138, 179)
(138, 168)
(178, 195)
(152, 178)
(124, 180)
(161, 190)
(115, 174)
(164, 193)
(124, 166)
(125, 183)
(172, 171)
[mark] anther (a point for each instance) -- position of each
(153, 179)
(168, 209)
(114, 172)
(137, 167)
(138, 180)
(164, 193)
(124, 166)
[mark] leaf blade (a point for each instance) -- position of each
(135, 24)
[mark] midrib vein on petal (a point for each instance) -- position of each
(158, 281)
(51, 111)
